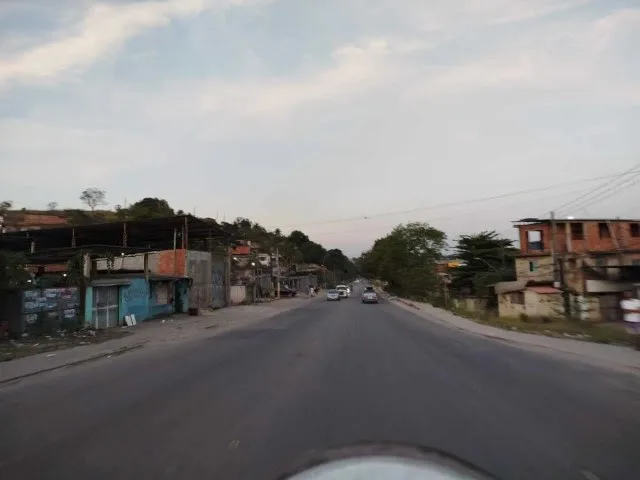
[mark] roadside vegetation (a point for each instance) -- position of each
(405, 261)
(404, 264)
(560, 327)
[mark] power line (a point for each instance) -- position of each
(447, 217)
(632, 170)
(461, 202)
(612, 191)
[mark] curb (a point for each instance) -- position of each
(409, 304)
(118, 351)
(528, 346)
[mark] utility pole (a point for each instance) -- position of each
(558, 268)
(616, 240)
(446, 292)
(554, 259)
(277, 273)
(227, 275)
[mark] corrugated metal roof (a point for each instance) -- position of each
(544, 290)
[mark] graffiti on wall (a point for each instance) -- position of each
(50, 308)
(50, 299)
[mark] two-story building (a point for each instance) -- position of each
(596, 260)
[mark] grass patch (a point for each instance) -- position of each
(605, 333)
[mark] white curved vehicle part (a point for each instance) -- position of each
(382, 468)
(386, 462)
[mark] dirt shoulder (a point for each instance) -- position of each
(41, 355)
(597, 354)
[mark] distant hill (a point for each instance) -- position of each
(27, 219)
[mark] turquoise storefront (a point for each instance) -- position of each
(111, 297)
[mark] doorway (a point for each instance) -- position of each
(106, 307)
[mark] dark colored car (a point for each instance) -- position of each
(287, 292)
(369, 295)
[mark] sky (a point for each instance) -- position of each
(341, 118)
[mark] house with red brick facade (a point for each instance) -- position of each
(596, 260)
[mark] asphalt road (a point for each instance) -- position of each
(249, 403)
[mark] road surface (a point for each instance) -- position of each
(249, 403)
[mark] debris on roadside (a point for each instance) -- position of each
(27, 345)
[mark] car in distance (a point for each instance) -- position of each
(344, 291)
(369, 295)
(333, 295)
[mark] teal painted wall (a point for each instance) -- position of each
(134, 299)
(139, 298)
(88, 306)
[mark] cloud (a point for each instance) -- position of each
(568, 59)
(356, 69)
(98, 154)
(410, 115)
(437, 16)
(102, 29)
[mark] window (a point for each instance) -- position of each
(534, 240)
(533, 266)
(635, 229)
(577, 232)
(601, 262)
(517, 298)
(603, 230)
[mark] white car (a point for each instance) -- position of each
(333, 295)
(343, 290)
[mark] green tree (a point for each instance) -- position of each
(405, 259)
(13, 269)
(487, 259)
(298, 238)
(338, 262)
(295, 248)
(93, 197)
(312, 252)
(149, 208)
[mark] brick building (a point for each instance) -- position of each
(597, 259)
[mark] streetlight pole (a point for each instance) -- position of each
(277, 273)
(488, 264)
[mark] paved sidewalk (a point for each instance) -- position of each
(152, 334)
(611, 356)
